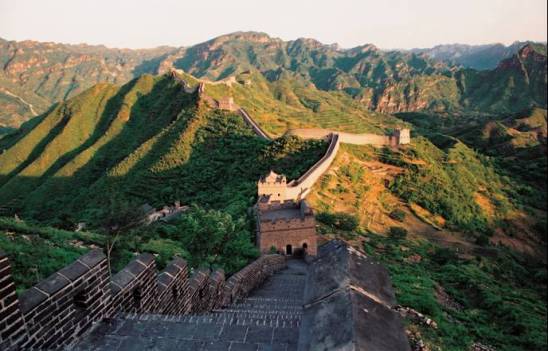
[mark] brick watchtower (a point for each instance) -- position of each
(285, 225)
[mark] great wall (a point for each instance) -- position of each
(335, 299)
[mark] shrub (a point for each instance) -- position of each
(482, 240)
(397, 233)
(443, 256)
(397, 214)
(339, 220)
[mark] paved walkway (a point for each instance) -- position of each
(268, 319)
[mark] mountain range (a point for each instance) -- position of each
(458, 216)
(444, 79)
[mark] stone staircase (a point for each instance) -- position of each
(268, 319)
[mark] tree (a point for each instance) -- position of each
(215, 238)
(118, 218)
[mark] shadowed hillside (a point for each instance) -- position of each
(38, 74)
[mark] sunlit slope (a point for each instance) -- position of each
(291, 102)
(148, 141)
(90, 131)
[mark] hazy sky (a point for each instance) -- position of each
(385, 23)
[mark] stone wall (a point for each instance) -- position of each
(348, 304)
(296, 237)
(240, 284)
(172, 287)
(56, 311)
(254, 125)
(298, 189)
(12, 329)
(399, 137)
(63, 306)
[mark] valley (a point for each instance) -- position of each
(94, 135)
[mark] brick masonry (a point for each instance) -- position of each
(11, 319)
(288, 227)
(57, 311)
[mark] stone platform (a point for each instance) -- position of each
(268, 319)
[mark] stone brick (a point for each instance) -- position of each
(93, 258)
(31, 298)
(74, 271)
(53, 284)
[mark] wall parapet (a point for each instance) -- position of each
(58, 310)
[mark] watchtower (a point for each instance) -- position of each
(273, 187)
(226, 103)
(402, 136)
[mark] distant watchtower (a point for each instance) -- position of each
(273, 187)
(402, 136)
(226, 103)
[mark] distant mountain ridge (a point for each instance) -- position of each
(480, 57)
(35, 75)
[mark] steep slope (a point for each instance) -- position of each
(385, 81)
(517, 83)
(147, 141)
(479, 57)
(291, 102)
(35, 74)
(436, 191)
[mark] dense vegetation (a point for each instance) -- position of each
(499, 301)
(476, 169)
(36, 251)
(142, 143)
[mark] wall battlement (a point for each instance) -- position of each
(58, 310)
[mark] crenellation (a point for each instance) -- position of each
(64, 302)
(216, 287)
(198, 290)
(71, 301)
(173, 285)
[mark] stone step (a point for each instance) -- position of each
(224, 338)
(265, 313)
(273, 305)
(237, 317)
(268, 319)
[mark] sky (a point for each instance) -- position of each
(388, 24)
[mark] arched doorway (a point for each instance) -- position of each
(305, 247)
(289, 250)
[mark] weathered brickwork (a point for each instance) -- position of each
(12, 329)
(134, 287)
(288, 228)
(59, 309)
(240, 284)
(173, 285)
(63, 306)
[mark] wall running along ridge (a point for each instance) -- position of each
(62, 307)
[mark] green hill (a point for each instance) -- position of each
(98, 157)
(35, 75)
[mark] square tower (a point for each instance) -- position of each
(288, 228)
(403, 136)
(273, 187)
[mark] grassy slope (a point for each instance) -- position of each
(36, 251)
(501, 298)
(291, 103)
(156, 145)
